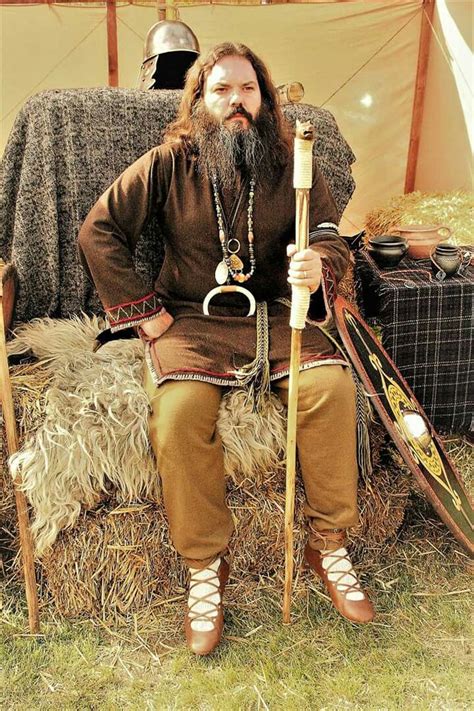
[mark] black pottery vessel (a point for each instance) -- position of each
(446, 258)
(387, 250)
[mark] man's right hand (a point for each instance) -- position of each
(155, 327)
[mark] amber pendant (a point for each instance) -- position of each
(221, 273)
(240, 278)
(235, 262)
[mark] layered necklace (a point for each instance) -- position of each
(231, 266)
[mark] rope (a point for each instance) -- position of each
(300, 300)
(303, 164)
(357, 71)
(358, 227)
(256, 375)
(122, 21)
(446, 56)
(448, 62)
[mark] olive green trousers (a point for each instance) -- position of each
(190, 459)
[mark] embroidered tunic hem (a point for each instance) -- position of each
(165, 182)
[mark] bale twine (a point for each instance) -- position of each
(454, 209)
(117, 561)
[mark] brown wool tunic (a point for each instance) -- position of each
(197, 346)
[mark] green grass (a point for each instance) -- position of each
(415, 656)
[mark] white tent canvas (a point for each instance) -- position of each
(357, 59)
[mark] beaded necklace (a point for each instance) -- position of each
(231, 265)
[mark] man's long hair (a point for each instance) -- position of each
(182, 131)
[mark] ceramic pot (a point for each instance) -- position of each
(422, 239)
(387, 250)
(446, 258)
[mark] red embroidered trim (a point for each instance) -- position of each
(131, 303)
(135, 318)
(131, 311)
(329, 283)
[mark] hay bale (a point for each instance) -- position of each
(29, 385)
(8, 521)
(454, 209)
(117, 561)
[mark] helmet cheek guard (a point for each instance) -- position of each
(171, 47)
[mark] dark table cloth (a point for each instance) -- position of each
(427, 329)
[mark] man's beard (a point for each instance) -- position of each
(224, 150)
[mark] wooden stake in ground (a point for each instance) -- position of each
(26, 543)
(302, 179)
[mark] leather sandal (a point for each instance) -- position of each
(347, 596)
(204, 642)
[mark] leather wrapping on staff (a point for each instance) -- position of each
(300, 297)
(303, 164)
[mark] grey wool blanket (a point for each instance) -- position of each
(66, 147)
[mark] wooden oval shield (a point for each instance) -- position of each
(396, 404)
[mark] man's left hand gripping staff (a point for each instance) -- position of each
(305, 268)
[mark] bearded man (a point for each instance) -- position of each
(221, 185)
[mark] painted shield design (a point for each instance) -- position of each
(407, 424)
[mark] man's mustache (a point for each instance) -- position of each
(239, 110)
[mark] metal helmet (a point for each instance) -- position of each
(160, 69)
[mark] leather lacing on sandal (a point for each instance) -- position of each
(336, 575)
(333, 548)
(331, 539)
(200, 615)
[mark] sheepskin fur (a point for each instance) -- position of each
(95, 436)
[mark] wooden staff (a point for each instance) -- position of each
(302, 179)
(26, 542)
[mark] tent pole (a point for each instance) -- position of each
(112, 45)
(171, 13)
(419, 98)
